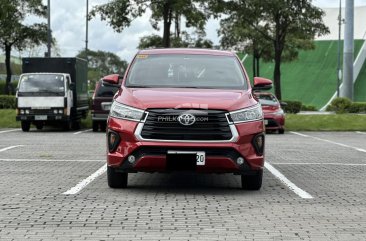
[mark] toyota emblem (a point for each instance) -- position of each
(186, 119)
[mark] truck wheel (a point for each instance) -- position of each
(116, 179)
(39, 125)
(95, 126)
(75, 125)
(281, 131)
(66, 126)
(25, 125)
(252, 182)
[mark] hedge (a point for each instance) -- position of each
(7, 102)
(292, 106)
(344, 105)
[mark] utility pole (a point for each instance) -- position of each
(49, 36)
(86, 32)
(348, 48)
(339, 70)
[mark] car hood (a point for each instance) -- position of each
(145, 98)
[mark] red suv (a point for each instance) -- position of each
(186, 110)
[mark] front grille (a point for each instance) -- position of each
(40, 111)
(210, 125)
(272, 123)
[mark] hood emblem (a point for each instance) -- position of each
(186, 119)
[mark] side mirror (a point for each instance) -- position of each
(262, 84)
(72, 86)
(111, 80)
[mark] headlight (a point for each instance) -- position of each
(247, 115)
(125, 112)
(55, 111)
(27, 112)
(22, 112)
(279, 112)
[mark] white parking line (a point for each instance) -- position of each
(301, 193)
(82, 184)
(46, 160)
(332, 142)
(319, 163)
(12, 130)
(361, 132)
(79, 132)
(10, 147)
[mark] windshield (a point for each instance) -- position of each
(186, 71)
(42, 83)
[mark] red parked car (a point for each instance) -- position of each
(274, 116)
(186, 110)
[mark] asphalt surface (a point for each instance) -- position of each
(53, 187)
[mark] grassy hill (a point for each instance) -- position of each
(312, 78)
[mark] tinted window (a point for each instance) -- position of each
(106, 91)
(186, 71)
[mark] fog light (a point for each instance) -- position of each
(113, 141)
(240, 161)
(258, 143)
(131, 159)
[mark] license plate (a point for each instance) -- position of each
(40, 117)
(106, 106)
(199, 155)
(266, 122)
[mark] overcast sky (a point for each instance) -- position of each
(68, 27)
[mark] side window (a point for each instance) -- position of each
(67, 82)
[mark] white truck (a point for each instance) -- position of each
(52, 91)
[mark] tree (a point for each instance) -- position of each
(101, 63)
(15, 34)
(120, 14)
(183, 41)
(289, 25)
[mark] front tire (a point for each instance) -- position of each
(281, 131)
(116, 179)
(25, 126)
(252, 182)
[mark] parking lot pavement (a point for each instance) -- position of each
(42, 165)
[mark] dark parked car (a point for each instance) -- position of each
(274, 116)
(102, 100)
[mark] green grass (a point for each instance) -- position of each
(344, 122)
(7, 120)
(312, 78)
(340, 122)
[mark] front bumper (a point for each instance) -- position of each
(151, 156)
(274, 122)
(42, 118)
